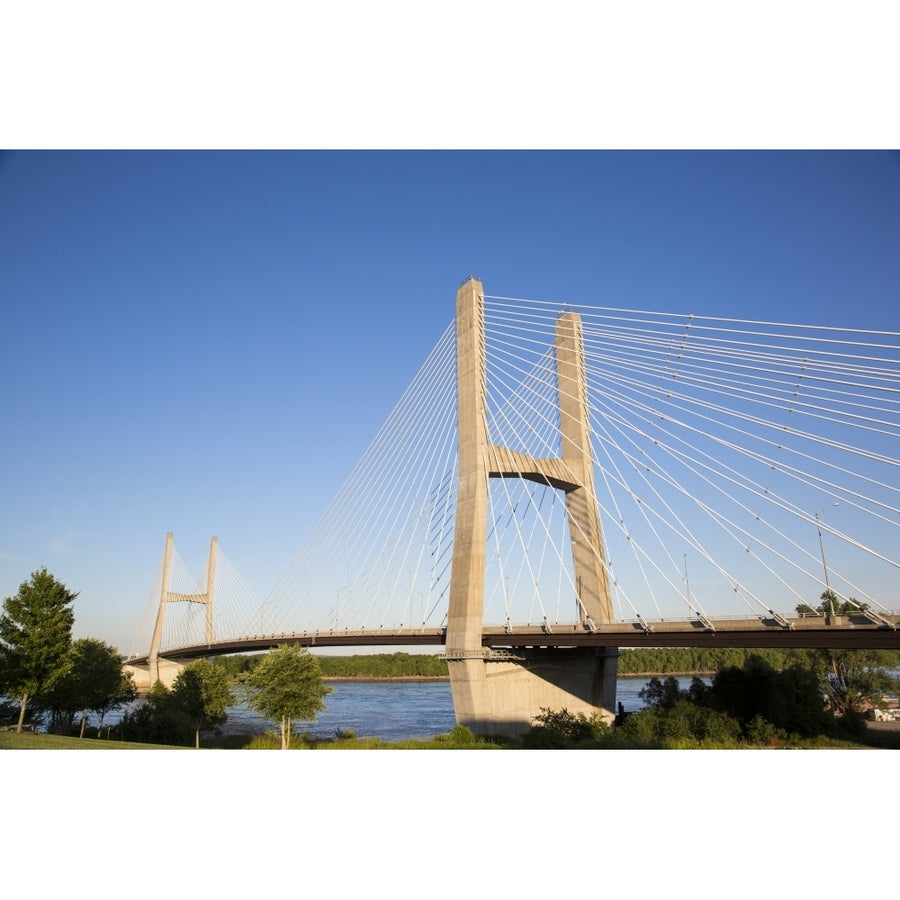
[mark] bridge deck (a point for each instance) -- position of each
(841, 632)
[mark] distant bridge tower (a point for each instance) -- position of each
(166, 670)
(499, 696)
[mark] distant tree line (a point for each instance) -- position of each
(375, 666)
(638, 661)
(699, 660)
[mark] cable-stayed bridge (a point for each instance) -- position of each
(556, 483)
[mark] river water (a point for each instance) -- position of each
(390, 710)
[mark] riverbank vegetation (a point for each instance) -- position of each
(642, 661)
(821, 703)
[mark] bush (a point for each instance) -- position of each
(562, 730)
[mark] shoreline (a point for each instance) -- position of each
(447, 677)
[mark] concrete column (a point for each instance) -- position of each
(585, 534)
(210, 587)
(465, 614)
(153, 657)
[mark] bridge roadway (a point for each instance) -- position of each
(837, 633)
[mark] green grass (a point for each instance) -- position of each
(886, 740)
(9, 740)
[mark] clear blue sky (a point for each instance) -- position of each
(206, 342)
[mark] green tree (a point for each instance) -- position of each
(287, 685)
(35, 635)
(159, 720)
(853, 680)
(831, 603)
(790, 699)
(201, 691)
(90, 680)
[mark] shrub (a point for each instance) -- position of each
(562, 730)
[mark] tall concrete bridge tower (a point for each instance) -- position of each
(166, 670)
(493, 693)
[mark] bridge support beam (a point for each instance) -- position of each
(503, 696)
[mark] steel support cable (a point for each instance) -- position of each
(552, 449)
(414, 516)
(492, 432)
(179, 622)
(503, 581)
(627, 531)
(781, 534)
(734, 388)
(354, 496)
(448, 431)
(683, 531)
(854, 366)
(535, 396)
(801, 475)
(637, 465)
(393, 516)
(665, 345)
(522, 543)
(643, 337)
(796, 433)
(720, 517)
(243, 605)
(389, 540)
(759, 420)
(357, 489)
(620, 314)
(738, 385)
(388, 513)
(140, 645)
(744, 486)
(606, 566)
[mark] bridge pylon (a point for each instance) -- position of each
(494, 694)
(166, 670)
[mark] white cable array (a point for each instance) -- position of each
(380, 555)
(746, 429)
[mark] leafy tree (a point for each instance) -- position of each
(831, 603)
(35, 635)
(287, 685)
(201, 691)
(791, 700)
(853, 680)
(661, 694)
(90, 679)
(159, 720)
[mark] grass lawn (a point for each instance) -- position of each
(9, 740)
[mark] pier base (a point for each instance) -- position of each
(143, 681)
(497, 697)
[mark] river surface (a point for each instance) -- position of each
(390, 710)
